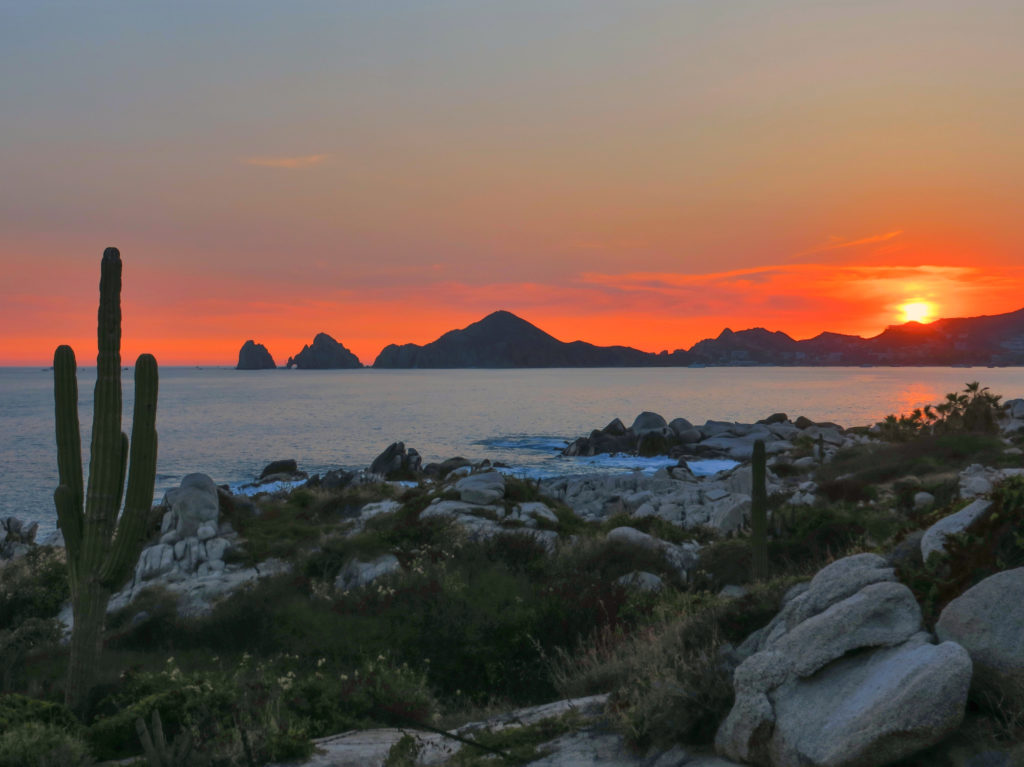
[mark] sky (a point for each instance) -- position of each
(637, 172)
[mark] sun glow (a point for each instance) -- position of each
(917, 311)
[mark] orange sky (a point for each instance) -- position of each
(624, 173)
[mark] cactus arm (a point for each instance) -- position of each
(103, 496)
(124, 466)
(134, 521)
(69, 495)
(759, 512)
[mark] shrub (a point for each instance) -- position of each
(18, 644)
(34, 744)
(16, 710)
(668, 680)
(33, 586)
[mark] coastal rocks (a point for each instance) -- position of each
(934, 538)
(286, 467)
(673, 494)
(396, 462)
(483, 488)
(16, 537)
(977, 480)
(844, 675)
(192, 503)
(254, 356)
(988, 621)
(680, 557)
(324, 354)
(650, 435)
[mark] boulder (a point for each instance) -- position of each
(16, 537)
(934, 538)
(396, 462)
(872, 710)
(254, 356)
(615, 428)
(647, 421)
(988, 620)
(192, 503)
(641, 580)
(680, 426)
(483, 488)
(358, 573)
(844, 676)
(923, 500)
(154, 561)
(283, 466)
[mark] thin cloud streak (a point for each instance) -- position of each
(839, 244)
(289, 163)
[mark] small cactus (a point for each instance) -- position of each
(160, 753)
(102, 546)
(759, 512)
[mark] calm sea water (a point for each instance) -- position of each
(229, 423)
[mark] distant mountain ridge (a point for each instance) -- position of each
(503, 340)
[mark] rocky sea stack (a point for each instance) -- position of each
(254, 356)
(324, 354)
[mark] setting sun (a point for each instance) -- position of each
(918, 311)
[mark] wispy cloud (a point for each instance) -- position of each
(838, 243)
(290, 163)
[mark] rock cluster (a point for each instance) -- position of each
(650, 434)
(673, 494)
(188, 558)
(254, 356)
(397, 462)
(16, 537)
(844, 675)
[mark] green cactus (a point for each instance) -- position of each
(102, 547)
(759, 512)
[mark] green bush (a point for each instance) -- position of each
(33, 586)
(19, 644)
(667, 679)
(35, 744)
(19, 709)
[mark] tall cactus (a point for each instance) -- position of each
(759, 512)
(102, 546)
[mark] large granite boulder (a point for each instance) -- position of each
(988, 620)
(648, 422)
(482, 488)
(254, 356)
(397, 463)
(844, 676)
(324, 354)
(934, 539)
(188, 506)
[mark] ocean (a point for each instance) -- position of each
(229, 424)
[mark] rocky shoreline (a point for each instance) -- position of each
(846, 673)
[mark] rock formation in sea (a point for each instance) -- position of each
(324, 354)
(254, 356)
(503, 340)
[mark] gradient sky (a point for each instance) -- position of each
(631, 172)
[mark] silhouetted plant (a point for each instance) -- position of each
(102, 548)
(759, 512)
